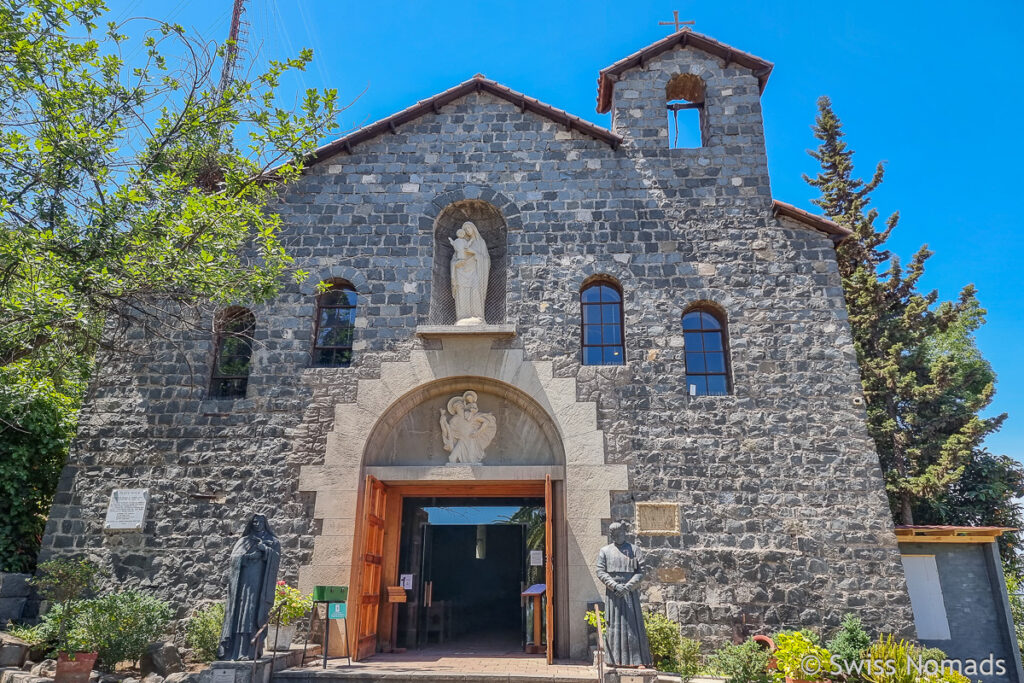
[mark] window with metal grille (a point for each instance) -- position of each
(233, 355)
(707, 371)
(335, 326)
(603, 335)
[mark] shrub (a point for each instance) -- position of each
(689, 659)
(848, 646)
(290, 604)
(202, 632)
(64, 580)
(663, 636)
(121, 625)
(591, 618)
(887, 661)
(799, 656)
(32, 635)
(746, 663)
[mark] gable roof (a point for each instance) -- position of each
(837, 232)
(609, 75)
(477, 83)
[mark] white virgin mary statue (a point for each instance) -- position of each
(471, 264)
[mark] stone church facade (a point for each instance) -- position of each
(759, 507)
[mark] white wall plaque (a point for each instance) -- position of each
(127, 510)
(536, 558)
(405, 581)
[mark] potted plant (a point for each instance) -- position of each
(289, 607)
(76, 657)
(799, 658)
(63, 583)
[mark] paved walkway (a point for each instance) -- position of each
(457, 660)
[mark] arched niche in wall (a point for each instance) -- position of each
(409, 432)
(493, 229)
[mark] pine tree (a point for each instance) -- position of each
(922, 400)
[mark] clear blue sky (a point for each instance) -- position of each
(933, 88)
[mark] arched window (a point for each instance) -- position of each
(602, 324)
(233, 353)
(335, 326)
(707, 371)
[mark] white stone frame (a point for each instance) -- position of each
(589, 480)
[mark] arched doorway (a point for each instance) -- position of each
(462, 579)
(566, 425)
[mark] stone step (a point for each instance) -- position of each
(422, 674)
(341, 674)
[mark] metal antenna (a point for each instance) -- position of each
(232, 47)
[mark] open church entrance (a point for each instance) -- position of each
(469, 561)
(464, 552)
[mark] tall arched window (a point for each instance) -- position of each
(602, 324)
(707, 370)
(335, 326)
(233, 353)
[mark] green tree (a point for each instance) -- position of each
(923, 399)
(1015, 591)
(988, 491)
(132, 193)
(128, 188)
(37, 420)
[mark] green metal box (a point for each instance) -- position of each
(330, 593)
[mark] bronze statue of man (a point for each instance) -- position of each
(252, 582)
(620, 567)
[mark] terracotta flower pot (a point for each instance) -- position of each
(767, 643)
(75, 670)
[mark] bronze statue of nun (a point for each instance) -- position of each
(620, 567)
(252, 583)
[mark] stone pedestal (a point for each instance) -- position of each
(246, 672)
(613, 675)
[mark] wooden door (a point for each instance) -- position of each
(549, 570)
(375, 498)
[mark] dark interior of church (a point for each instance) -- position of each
(466, 577)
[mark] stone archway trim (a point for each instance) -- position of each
(589, 480)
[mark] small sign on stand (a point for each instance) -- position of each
(334, 598)
(536, 593)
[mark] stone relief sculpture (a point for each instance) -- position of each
(471, 266)
(468, 432)
(252, 578)
(620, 567)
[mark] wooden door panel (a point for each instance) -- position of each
(549, 569)
(372, 560)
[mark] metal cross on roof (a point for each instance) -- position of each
(680, 25)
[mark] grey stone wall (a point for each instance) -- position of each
(785, 521)
(14, 593)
